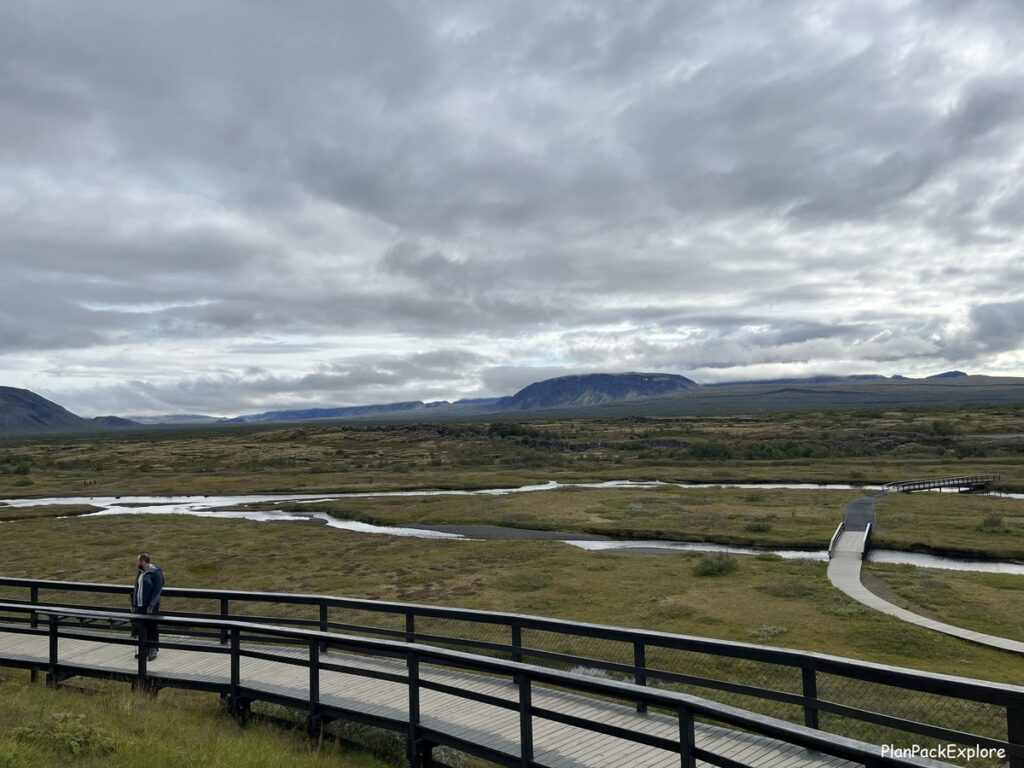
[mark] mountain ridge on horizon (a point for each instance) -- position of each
(569, 393)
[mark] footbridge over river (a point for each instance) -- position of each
(852, 539)
(512, 689)
(963, 483)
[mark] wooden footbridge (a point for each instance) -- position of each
(963, 483)
(516, 690)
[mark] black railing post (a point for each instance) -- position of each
(410, 626)
(687, 740)
(313, 722)
(810, 689)
(33, 598)
(236, 664)
(517, 642)
(525, 720)
(143, 654)
(1015, 731)
(640, 669)
(414, 748)
(225, 614)
(323, 624)
(53, 678)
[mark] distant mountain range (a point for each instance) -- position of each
(24, 410)
(563, 392)
(590, 395)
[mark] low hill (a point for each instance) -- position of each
(175, 418)
(21, 410)
(116, 421)
(594, 389)
(347, 412)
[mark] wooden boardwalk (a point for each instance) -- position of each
(556, 745)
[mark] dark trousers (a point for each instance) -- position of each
(152, 628)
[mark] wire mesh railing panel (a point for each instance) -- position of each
(295, 614)
(385, 625)
(204, 607)
(584, 650)
(14, 618)
(14, 594)
(463, 635)
(897, 738)
(758, 674)
(107, 601)
(973, 717)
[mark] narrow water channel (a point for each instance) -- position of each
(227, 507)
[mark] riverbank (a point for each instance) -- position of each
(766, 600)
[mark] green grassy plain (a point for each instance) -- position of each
(792, 598)
(752, 517)
(957, 524)
(868, 446)
(45, 510)
(985, 602)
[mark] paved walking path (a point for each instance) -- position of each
(844, 571)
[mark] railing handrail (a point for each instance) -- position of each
(810, 738)
(939, 482)
(932, 682)
(835, 538)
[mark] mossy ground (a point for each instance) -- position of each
(115, 727)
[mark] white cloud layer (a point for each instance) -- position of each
(246, 205)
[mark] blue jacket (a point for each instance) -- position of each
(151, 582)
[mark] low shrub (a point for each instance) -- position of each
(993, 523)
(716, 564)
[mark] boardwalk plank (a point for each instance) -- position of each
(556, 745)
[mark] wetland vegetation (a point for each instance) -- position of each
(840, 447)
(761, 599)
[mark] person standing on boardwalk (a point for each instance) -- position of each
(149, 584)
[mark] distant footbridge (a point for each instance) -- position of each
(963, 483)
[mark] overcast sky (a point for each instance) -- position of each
(229, 207)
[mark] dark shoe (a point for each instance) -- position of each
(152, 655)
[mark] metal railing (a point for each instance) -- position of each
(418, 658)
(960, 481)
(871, 702)
(835, 539)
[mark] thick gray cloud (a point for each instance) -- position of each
(243, 205)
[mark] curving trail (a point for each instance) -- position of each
(844, 571)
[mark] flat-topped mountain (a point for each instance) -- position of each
(22, 409)
(594, 389)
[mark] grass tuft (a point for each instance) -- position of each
(716, 564)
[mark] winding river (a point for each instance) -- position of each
(232, 507)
